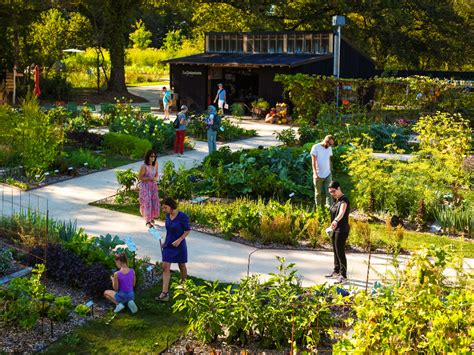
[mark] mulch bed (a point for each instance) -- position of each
(18, 340)
(187, 344)
(15, 339)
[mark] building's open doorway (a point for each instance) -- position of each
(241, 85)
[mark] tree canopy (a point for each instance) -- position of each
(405, 34)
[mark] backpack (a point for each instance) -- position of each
(177, 122)
(216, 126)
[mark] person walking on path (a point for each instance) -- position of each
(340, 231)
(221, 97)
(174, 248)
(211, 133)
(148, 193)
(181, 130)
(123, 283)
(321, 154)
(166, 102)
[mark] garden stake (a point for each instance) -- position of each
(292, 328)
(52, 330)
(42, 313)
(248, 263)
(368, 269)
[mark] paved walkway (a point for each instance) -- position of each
(209, 257)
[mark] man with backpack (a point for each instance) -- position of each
(180, 124)
(213, 124)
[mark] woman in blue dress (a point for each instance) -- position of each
(174, 247)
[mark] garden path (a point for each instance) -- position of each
(209, 257)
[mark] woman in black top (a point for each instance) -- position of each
(340, 226)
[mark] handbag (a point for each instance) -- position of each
(226, 106)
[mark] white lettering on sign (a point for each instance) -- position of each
(192, 72)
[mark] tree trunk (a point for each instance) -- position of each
(117, 70)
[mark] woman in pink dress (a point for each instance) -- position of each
(149, 199)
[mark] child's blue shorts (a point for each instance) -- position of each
(124, 297)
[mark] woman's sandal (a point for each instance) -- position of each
(163, 297)
(149, 224)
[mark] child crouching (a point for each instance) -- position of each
(123, 282)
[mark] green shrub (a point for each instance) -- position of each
(421, 309)
(6, 259)
(197, 129)
(79, 157)
(287, 137)
(31, 135)
(435, 172)
(60, 309)
(272, 312)
(311, 94)
(126, 119)
(237, 110)
(126, 145)
(82, 310)
(24, 300)
(384, 135)
(455, 219)
(266, 222)
(261, 104)
(361, 236)
(14, 182)
(59, 115)
(126, 178)
(55, 87)
(175, 183)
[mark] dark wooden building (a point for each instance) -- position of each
(246, 63)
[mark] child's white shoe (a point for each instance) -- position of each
(132, 306)
(119, 307)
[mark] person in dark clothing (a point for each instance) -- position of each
(340, 230)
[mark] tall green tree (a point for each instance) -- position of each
(55, 31)
(16, 17)
(112, 22)
(141, 37)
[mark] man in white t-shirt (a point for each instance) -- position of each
(321, 154)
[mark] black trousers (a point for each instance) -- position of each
(338, 244)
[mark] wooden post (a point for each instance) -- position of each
(14, 86)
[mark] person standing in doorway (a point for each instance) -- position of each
(321, 154)
(181, 130)
(211, 133)
(340, 210)
(166, 102)
(221, 97)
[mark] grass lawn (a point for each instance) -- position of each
(412, 240)
(111, 161)
(115, 161)
(150, 330)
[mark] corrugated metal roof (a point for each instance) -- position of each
(254, 60)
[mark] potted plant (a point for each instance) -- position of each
(260, 107)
